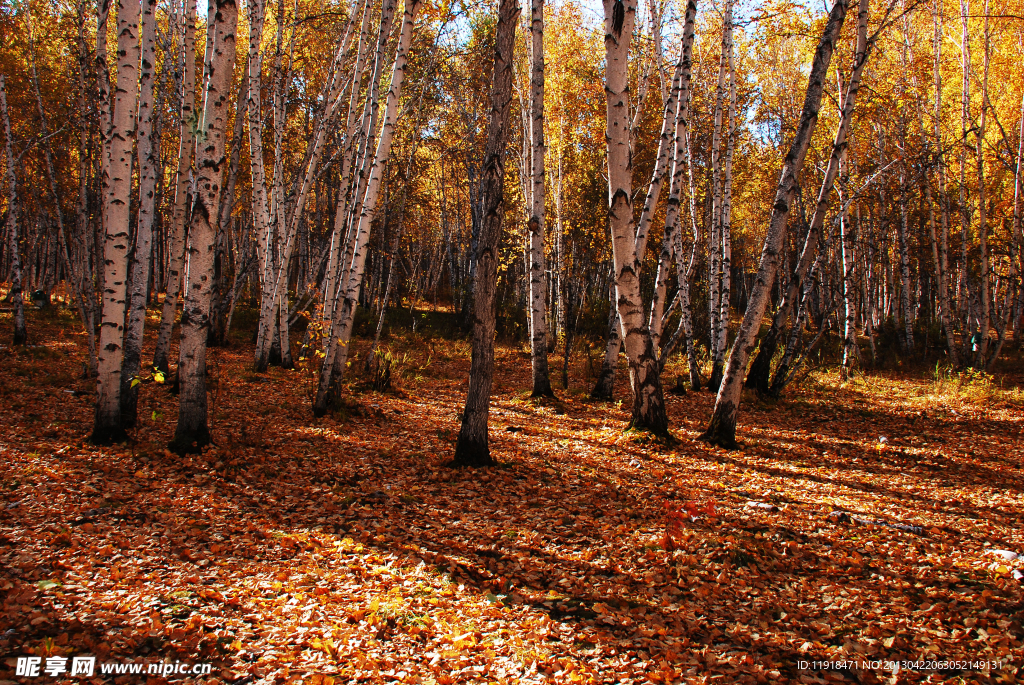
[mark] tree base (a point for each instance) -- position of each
(108, 435)
(722, 429)
(680, 387)
(717, 374)
(543, 392)
(471, 453)
(190, 442)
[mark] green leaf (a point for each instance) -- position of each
(135, 381)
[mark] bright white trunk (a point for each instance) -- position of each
(117, 190)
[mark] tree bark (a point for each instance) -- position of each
(722, 428)
(604, 388)
(984, 322)
(192, 432)
(648, 411)
(672, 240)
(716, 243)
(139, 272)
(471, 448)
(182, 184)
(344, 315)
(760, 373)
(13, 207)
(536, 225)
(117, 189)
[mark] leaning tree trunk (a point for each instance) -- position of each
(472, 449)
(645, 378)
(186, 148)
(344, 315)
(192, 432)
(672, 244)
(722, 428)
(761, 368)
(15, 294)
(538, 268)
(117, 190)
(139, 286)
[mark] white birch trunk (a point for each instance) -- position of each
(984, 323)
(722, 428)
(645, 378)
(192, 432)
(536, 225)
(341, 329)
(471, 448)
(139, 284)
(182, 186)
(13, 209)
(117, 189)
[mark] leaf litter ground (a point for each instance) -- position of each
(856, 525)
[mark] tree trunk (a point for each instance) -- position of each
(645, 379)
(760, 373)
(182, 183)
(192, 432)
(984, 323)
(604, 389)
(722, 428)
(139, 272)
(849, 241)
(117, 189)
(536, 225)
(718, 314)
(1018, 238)
(16, 296)
(472, 448)
(904, 248)
(344, 315)
(672, 241)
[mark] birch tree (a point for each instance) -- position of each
(344, 315)
(536, 224)
(471, 447)
(648, 411)
(760, 376)
(117, 188)
(141, 252)
(182, 188)
(14, 244)
(722, 427)
(192, 432)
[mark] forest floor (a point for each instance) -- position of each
(855, 527)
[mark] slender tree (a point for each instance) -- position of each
(536, 224)
(344, 316)
(648, 411)
(722, 428)
(14, 244)
(192, 432)
(117, 188)
(471, 448)
(139, 272)
(181, 185)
